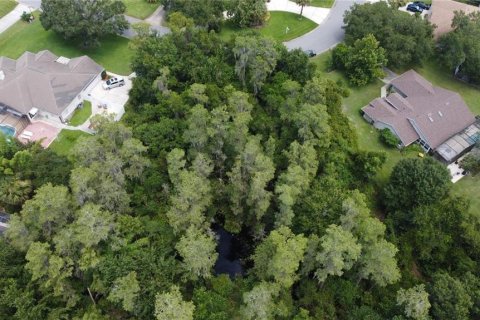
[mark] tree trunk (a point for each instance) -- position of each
(301, 10)
(90, 294)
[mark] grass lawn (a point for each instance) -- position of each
(81, 115)
(322, 3)
(114, 53)
(469, 187)
(276, 26)
(6, 6)
(368, 136)
(140, 9)
(65, 140)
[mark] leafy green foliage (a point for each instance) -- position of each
(170, 305)
(198, 253)
(471, 162)
(205, 13)
(406, 39)
(415, 302)
(247, 13)
(125, 290)
(388, 138)
(450, 299)
(279, 255)
(362, 62)
(416, 182)
(239, 135)
(83, 20)
(459, 48)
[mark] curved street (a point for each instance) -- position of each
(320, 39)
(328, 33)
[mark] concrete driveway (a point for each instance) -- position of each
(114, 99)
(327, 34)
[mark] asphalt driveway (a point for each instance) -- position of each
(327, 34)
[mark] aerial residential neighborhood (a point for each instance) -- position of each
(240, 159)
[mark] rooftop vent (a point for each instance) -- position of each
(430, 117)
(2, 75)
(440, 113)
(63, 60)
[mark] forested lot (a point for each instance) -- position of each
(245, 135)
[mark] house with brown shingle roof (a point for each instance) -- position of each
(417, 111)
(442, 13)
(46, 84)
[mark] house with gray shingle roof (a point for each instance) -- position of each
(416, 111)
(46, 84)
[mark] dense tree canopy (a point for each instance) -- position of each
(460, 49)
(247, 13)
(362, 62)
(416, 182)
(406, 39)
(84, 20)
(206, 13)
(233, 156)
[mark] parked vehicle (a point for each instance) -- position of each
(414, 8)
(310, 53)
(113, 83)
(422, 5)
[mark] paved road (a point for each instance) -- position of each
(35, 4)
(130, 33)
(327, 34)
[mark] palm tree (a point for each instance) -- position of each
(302, 3)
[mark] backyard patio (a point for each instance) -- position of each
(39, 131)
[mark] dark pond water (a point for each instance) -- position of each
(227, 262)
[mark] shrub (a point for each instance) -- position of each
(27, 17)
(389, 138)
(471, 162)
(104, 75)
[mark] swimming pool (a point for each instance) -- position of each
(7, 130)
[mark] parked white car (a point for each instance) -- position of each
(113, 83)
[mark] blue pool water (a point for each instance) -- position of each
(7, 130)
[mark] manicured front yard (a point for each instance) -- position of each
(322, 3)
(81, 115)
(140, 9)
(65, 141)
(276, 26)
(113, 54)
(6, 6)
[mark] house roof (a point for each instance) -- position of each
(442, 13)
(38, 80)
(420, 110)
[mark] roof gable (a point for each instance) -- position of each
(421, 110)
(38, 80)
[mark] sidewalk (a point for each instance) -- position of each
(315, 14)
(11, 18)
